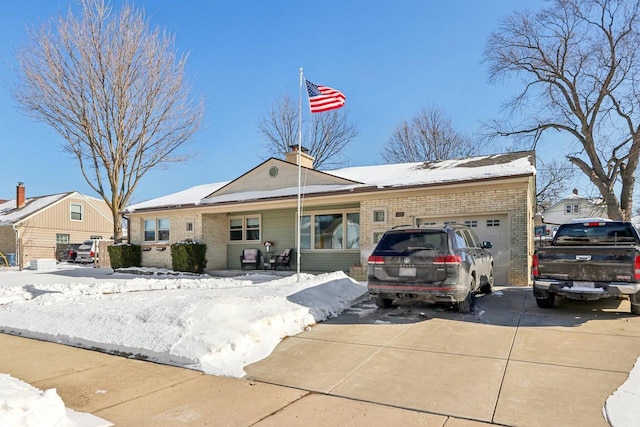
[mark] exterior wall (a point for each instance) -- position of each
(514, 197)
(158, 254)
(214, 231)
(287, 176)
(7, 241)
(403, 209)
(38, 232)
(556, 214)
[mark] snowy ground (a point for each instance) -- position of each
(215, 325)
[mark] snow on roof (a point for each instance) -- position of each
(393, 175)
(9, 214)
(407, 174)
(185, 197)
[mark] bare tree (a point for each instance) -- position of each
(429, 136)
(552, 180)
(578, 61)
(329, 133)
(114, 90)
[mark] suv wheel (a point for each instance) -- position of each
(383, 302)
(465, 305)
(487, 288)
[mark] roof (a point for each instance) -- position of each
(9, 214)
(364, 178)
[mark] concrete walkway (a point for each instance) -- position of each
(508, 363)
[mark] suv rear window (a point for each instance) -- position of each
(407, 242)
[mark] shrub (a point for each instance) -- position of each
(125, 255)
(189, 257)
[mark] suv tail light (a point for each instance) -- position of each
(92, 253)
(636, 268)
(375, 259)
(447, 259)
(534, 265)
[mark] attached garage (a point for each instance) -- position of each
(491, 228)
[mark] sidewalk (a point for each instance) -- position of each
(509, 363)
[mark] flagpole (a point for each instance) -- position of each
(299, 215)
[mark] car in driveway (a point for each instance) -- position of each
(435, 264)
(87, 251)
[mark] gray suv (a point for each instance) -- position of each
(445, 264)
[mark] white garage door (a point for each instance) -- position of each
(491, 228)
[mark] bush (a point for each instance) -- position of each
(124, 255)
(189, 257)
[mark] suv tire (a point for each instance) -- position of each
(487, 288)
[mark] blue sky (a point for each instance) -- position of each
(389, 58)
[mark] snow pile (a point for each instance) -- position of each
(215, 325)
(621, 408)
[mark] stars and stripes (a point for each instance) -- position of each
(323, 98)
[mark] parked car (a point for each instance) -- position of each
(67, 252)
(446, 264)
(88, 251)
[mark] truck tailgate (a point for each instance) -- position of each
(582, 263)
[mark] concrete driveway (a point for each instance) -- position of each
(508, 363)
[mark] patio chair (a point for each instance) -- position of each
(250, 257)
(282, 260)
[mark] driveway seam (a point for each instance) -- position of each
(506, 366)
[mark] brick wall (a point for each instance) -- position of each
(511, 199)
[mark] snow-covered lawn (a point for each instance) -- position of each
(215, 325)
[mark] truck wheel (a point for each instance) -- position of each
(546, 302)
(635, 303)
(383, 302)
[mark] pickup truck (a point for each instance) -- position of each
(589, 260)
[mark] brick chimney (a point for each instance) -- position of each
(20, 195)
(305, 159)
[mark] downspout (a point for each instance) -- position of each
(18, 259)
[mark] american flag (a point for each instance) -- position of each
(324, 98)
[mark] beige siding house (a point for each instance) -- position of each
(345, 211)
(30, 227)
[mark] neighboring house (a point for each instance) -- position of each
(31, 227)
(344, 212)
(572, 207)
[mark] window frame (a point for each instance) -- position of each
(157, 230)
(245, 229)
(344, 239)
(382, 211)
(71, 211)
(63, 238)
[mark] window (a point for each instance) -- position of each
(76, 212)
(493, 223)
(330, 231)
(156, 230)
(571, 209)
(471, 223)
(189, 226)
(63, 238)
(377, 235)
(244, 229)
(379, 215)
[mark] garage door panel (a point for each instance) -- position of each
(491, 228)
